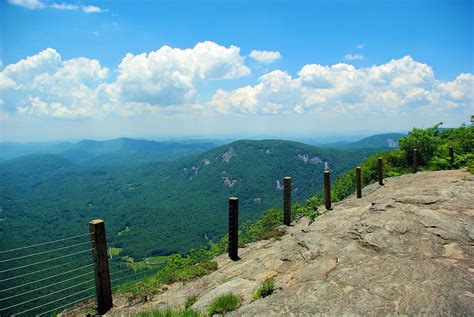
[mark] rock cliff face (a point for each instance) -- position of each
(404, 248)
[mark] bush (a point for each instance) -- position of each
(224, 303)
(265, 289)
(426, 141)
(439, 163)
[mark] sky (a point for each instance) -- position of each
(105, 69)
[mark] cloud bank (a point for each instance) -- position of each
(169, 80)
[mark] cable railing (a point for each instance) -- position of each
(39, 279)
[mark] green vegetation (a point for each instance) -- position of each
(265, 289)
(190, 301)
(170, 313)
(49, 197)
(177, 268)
(114, 252)
(224, 304)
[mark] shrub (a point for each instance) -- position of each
(426, 141)
(265, 289)
(439, 163)
(224, 303)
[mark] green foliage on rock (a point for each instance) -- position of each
(170, 313)
(265, 289)
(224, 304)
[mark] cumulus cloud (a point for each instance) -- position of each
(360, 46)
(40, 4)
(168, 81)
(353, 57)
(171, 76)
(399, 85)
(45, 85)
(265, 57)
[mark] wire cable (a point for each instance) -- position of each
(45, 261)
(46, 295)
(120, 271)
(47, 278)
(68, 304)
(125, 277)
(46, 286)
(39, 271)
(44, 252)
(44, 243)
(54, 301)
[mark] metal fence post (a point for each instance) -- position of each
(327, 190)
(287, 201)
(101, 266)
(415, 161)
(380, 171)
(233, 228)
(358, 182)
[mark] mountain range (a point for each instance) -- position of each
(178, 203)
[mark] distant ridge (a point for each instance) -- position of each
(121, 151)
(386, 140)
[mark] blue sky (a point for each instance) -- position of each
(404, 64)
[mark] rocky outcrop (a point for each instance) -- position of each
(310, 159)
(404, 248)
(228, 155)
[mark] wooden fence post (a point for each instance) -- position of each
(101, 266)
(358, 182)
(415, 161)
(287, 201)
(380, 171)
(451, 155)
(327, 190)
(233, 228)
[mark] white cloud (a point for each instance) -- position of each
(360, 46)
(168, 81)
(29, 4)
(353, 57)
(91, 9)
(401, 85)
(265, 57)
(40, 4)
(45, 85)
(171, 76)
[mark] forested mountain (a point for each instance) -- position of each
(122, 151)
(381, 141)
(177, 204)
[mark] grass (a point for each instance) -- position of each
(265, 289)
(190, 300)
(223, 304)
(152, 284)
(170, 313)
